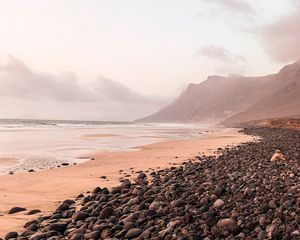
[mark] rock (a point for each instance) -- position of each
(126, 183)
(69, 201)
(11, 235)
(81, 216)
(105, 233)
(141, 176)
(33, 211)
(41, 236)
(26, 225)
(261, 235)
(133, 233)
(177, 203)
(129, 225)
(219, 203)
(16, 210)
(63, 207)
(58, 227)
(106, 212)
(92, 235)
(116, 190)
(272, 231)
(278, 156)
(238, 194)
(227, 222)
(96, 190)
(229, 225)
(80, 196)
(272, 204)
(154, 205)
(295, 233)
(33, 227)
(27, 233)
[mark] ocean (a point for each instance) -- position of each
(44, 144)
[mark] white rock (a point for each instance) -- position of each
(219, 203)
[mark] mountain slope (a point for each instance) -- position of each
(213, 100)
(236, 98)
(285, 102)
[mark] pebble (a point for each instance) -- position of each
(11, 235)
(133, 233)
(219, 203)
(16, 210)
(239, 194)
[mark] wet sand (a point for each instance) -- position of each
(95, 136)
(43, 190)
(8, 161)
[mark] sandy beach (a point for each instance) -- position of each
(7, 161)
(45, 189)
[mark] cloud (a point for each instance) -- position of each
(119, 92)
(19, 81)
(281, 38)
(24, 92)
(237, 6)
(220, 54)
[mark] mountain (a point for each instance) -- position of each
(283, 102)
(236, 99)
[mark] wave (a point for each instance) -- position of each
(36, 123)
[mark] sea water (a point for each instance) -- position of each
(44, 144)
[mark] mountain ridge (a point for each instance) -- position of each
(235, 98)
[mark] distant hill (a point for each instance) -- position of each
(290, 123)
(284, 101)
(235, 99)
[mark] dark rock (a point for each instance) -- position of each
(106, 212)
(81, 216)
(16, 210)
(69, 201)
(33, 211)
(26, 225)
(11, 235)
(141, 176)
(92, 235)
(96, 190)
(239, 194)
(58, 227)
(126, 183)
(133, 233)
(63, 207)
(33, 227)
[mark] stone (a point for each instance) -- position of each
(16, 210)
(219, 203)
(133, 233)
(11, 235)
(92, 235)
(106, 212)
(33, 211)
(81, 216)
(58, 227)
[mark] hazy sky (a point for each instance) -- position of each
(122, 59)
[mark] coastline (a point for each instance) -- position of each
(45, 189)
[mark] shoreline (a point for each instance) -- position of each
(45, 189)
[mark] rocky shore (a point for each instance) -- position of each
(240, 194)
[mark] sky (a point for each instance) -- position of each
(121, 60)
